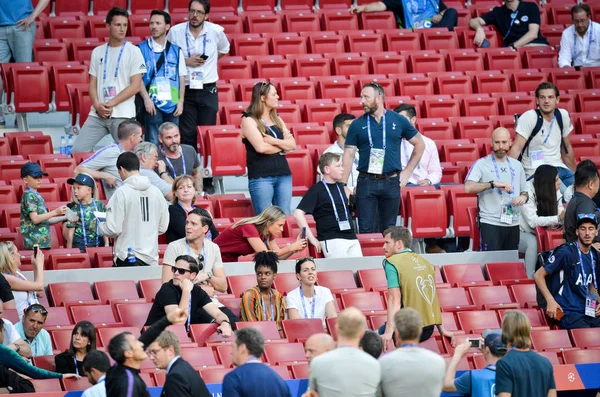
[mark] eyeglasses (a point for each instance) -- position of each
(197, 12)
(180, 270)
(155, 352)
(37, 309)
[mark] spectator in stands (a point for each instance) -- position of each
(163, 85)
(347, 370)
(401, 272)
(83, 231)
(575, 302)
(533, 146)
(148, 155)
(181, 293)
(251, 375)
(476, 383)
(544, 208)
(181, 159)
(102, 165)
(6, 294)
(411, 370)
(181, 378)
(579, 42)
(17, 33)
(11, 340)
(35, 218)
(329, 206)
(183, 202)
(341, 123)
(257, 234)
(309, 300)
(518, 22)
(123, 379)
(371, 343)
(522, 372)
(203, 43)
(586, 188)
(95, 365)
(83, 341)
(267, 139)
(317, 344)
(11, 382)
(116, 70)
(410, 15)
(31, 330)
(135, 206)
(377, 136)
(264, 302)
(501, 187)
(24, 291)
(11, 360)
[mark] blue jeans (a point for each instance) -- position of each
(271, 190)
(152, 123)
(567, 178)
(16, 43)
(377, 197)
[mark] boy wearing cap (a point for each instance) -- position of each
(576, 303)
(82, 228)
(476, 383)
(35, 218)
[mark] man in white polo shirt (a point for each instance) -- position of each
(580, 42)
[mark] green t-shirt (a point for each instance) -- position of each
(34, 234)
(89, 220)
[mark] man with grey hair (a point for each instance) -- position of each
(411, 370)
(179, 158)
(252, 378)
(148, 155)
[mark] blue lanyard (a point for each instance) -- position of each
(270, 128)
(85, 241)
(369, 129)
(75, 362)
(583, 269)
(591, 29)
(512, 173)
(189, 249)
(512, 21)
(337, 216)
(187, 41)
(171, 165)
(189, 319)
(550, 130)
(106, 61)
(410, 345)
(304, 305)
(154, 57)
(265, 308)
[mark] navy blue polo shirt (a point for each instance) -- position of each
(397, 127)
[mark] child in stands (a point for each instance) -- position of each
(35, 218)
(82, 228)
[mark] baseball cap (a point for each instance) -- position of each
(82, 179)
(582, 218)
(493, 340)
(33, 170)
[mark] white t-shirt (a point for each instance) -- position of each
(10, 333)
(132, 63)
(336, 148)
(23, 299)
(323, 296)
(551, 148)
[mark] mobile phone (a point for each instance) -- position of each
(304, 232)
(36, 249)
(204, 57)
(485, 44)
(475, 342)
(559, 314)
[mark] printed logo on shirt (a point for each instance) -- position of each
(524, 18)
(580, 280)
(551, 259)
(142, 66)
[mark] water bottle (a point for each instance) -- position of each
(63, 145)
(131, 256)
(69, 145)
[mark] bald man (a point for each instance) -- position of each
(318, 344)
(500, 185)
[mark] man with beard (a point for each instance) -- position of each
(163, 85)
(579, 43)
(179, 158)
(543, 136)
(501, 187)
(377, 135)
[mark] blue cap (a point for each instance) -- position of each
(82, 179)
(33, 170)
(493, 340)
(583, 218)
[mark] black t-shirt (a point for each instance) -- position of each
(318, 203)
(169, 294)
(397, 8)
(524, 374)
(6, 294)
(526, 14)
(579, 204)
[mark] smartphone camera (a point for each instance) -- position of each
(475, 343)
(36, 249)
(304, 232)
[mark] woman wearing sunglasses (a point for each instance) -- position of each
(309, 300)
(267, 139)
(83, 341)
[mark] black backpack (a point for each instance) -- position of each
(553, 281)
(538, 127)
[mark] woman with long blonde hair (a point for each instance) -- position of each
(267, 139)
(256, 234)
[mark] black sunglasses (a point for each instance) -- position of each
(37, 309)
(180, 270)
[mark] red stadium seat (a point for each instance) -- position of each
(414, 85)
(442, 108)
(537, 319)
(284, 353)
(303, 21)
(367, 302)
(313, 66)
(44, 362)
(347, 65)
(465, 275)
(459, 61)
(109, 290)
(502, 59)
(48, 51)
(199, 357)
(479, 106)
(301, 371)
(371, 244)
(527, 81)
(386, 64)
(338, 281)
(146, 6)
(302, 171)
(338, 19)
(267, 328)
(585, 338)
(568, 80)
(311, 135)
(491, 298)
(250, 46)
(551, 340)
(289, 45)
(232, 24)
(433, 39)
(364, 42)
(326, 44)
(581, 356)
(478, 320)
(427, 213)
(372, 279)
(588, 102)
(43, 386)
(540, 57)
(484, 82)
(71, 8)
(435, 129)
(80, 105)
(235, 69)
(106, 334)
(301, 329)
(149, 288)
(133, 314)
(524, 294)
(234, 163)
(264, 23)
(320, 111)
(454, 299)
(69, 261)
(426, 62)
(516, 104)
(69, 292)
(402, 40)
(459, 152)
(214, 375)
(99, 315)
(60, 76)
(234, 208)
(22, 100)
(506, 272)
(65, 28)
(330, 89)
(57, 167)
(239, 284)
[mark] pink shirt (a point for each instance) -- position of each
(429, 167)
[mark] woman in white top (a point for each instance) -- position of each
(26, 292)
(544, 208)
(309, 300)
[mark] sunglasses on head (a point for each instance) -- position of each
(37, 309)
(180, 270)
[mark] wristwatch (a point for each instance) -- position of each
(209, 276)
(491, 184)
(161, 174)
